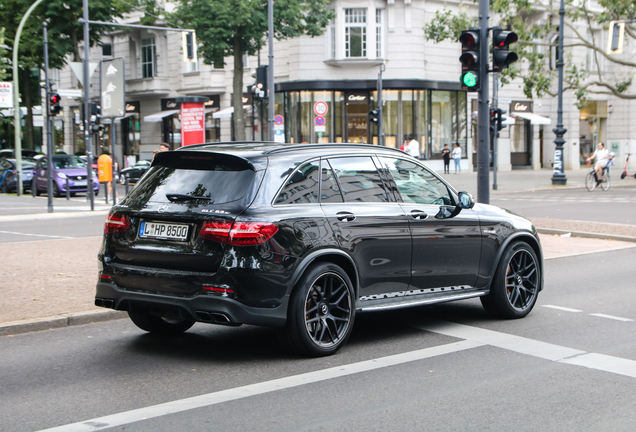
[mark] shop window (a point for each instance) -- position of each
(356, 32)
(148, 58)
(518, 137)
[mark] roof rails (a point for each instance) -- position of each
(283, 147)
(315, 145)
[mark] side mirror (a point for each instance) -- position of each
(466, 200)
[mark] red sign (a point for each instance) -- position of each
(192, 123)
(279, 120)
(320, 121)
(321, 108)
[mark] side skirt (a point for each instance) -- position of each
(403, 299)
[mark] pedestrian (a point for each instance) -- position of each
(457, 157)
(446, 156)
(405, 145)
(414, 148)
(164, 147)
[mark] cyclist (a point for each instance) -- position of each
(602, 157)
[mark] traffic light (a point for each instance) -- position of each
(501, 56)
(469, 59)
(54, 104)
(260, 88)
(492, 120)
(374, 116)
(501, 118)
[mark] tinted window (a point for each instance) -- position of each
(359, 179)
(67, 161)
(329, 190)
(416, 184)
(219, 180)
(302, 187)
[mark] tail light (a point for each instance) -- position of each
(116, 223)
(239, 233)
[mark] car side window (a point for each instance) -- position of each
(359, 179)
(416, 184)
(302, 186)
(329, 190)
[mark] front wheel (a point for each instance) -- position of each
(321, 312)
(605, 183)
(516, 283)
(122, 179)
(158, 325)
(590, 181)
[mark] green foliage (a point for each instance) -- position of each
(529, 19)
(4, 58)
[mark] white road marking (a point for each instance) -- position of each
(612, 317)
(562, 308)
(35, 235)
(535, 348)
(260, 388)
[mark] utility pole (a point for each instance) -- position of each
(495, 104)
(49, 138)
(558, 175)
(270, 75)
(483, 119)
(87, 111)
(380, 131)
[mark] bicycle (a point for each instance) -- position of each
(591, 181)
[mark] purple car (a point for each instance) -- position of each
(65, 167)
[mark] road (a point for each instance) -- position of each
(570, 365)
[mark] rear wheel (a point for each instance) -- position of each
(590, 181)
(516, 283)
(36, 191)
(122, 179)
(321, 312)
(56, 190)
(158, 325)
(605, 183)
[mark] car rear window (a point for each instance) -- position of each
(217, 179)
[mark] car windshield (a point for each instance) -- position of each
(68, 161)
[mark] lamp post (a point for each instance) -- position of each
(558, 175)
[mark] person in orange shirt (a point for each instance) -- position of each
(105, 173)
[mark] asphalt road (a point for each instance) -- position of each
(569, 365)
(614, 205)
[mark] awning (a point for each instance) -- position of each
(227, 112)
(160, 115)
(106, 120)
(211, 110)
(534, 118)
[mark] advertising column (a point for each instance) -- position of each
(192, 119)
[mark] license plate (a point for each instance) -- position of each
(163, 231)
(79, 183)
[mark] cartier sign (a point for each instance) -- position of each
(521, 106)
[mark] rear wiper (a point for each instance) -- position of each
(182, 197)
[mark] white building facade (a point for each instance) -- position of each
(326, 88)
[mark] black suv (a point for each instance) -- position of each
(303, 237)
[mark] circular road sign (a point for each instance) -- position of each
(320, 121)
(279, 120)
(321, 108)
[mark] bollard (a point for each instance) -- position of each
(68, 191)
(126, 176)
(106, 193)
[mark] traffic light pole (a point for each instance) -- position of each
(87, 111)
(380, 131)
(49, 138)
(495, 104)
(558, 175)
(483, 119)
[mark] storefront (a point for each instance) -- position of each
(592, 126)
(434, 113)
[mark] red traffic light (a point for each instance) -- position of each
(469, 39)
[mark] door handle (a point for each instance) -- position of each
(345, 216)
(418, 214)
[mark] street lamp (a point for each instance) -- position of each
(558, 175)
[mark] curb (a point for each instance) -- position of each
(59, 321)
(586, 234)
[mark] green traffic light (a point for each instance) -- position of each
(469, 79)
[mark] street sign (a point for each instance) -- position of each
(279, 120)
(71, 93)
(6, 95)
(78, 70)
(320, 121)
(321, 108)
(113, 88)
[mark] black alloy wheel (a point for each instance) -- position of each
(515, 286)
(158, 325)
(321, 312)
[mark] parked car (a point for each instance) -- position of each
(64, 167)
(10, 153)
(302, 238)
(134, 172)
(9, 174)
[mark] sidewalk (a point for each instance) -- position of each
(43, 289)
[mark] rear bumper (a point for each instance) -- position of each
(202, 308)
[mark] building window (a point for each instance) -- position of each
(356, 32)
(107, 50)
(148, 58)
(332, 38)
(378, 33)
(594, 60)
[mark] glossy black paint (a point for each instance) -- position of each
(395, 253)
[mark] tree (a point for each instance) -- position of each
(238, 27)
(536, 24)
